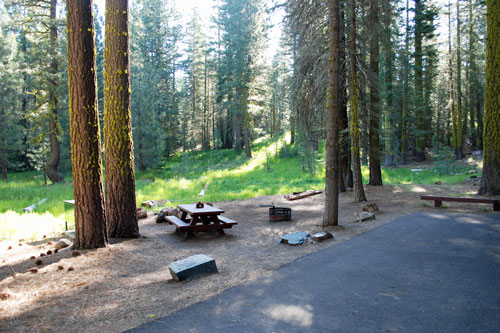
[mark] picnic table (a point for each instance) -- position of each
(195, 219)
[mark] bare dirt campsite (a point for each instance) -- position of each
(128, 283)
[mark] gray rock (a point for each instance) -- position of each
(192, 266)
(63, 243)
(321, 236)
(366, 216)
(295, 238)
(169, 211)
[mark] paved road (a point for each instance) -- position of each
(425, 272)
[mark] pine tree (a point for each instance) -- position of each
(90, 230)
(330, 215)
(375, 171)
(119, 157)
(358, 190)
(490, 181)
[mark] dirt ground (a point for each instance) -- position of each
(128, 283)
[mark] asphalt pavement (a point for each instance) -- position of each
(425, 272)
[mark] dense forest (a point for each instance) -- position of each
(409, 83)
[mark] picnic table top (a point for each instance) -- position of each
(206, 210)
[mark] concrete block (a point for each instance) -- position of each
(192, 266)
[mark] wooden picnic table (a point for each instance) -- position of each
(200, 219)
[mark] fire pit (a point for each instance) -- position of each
(278, 214)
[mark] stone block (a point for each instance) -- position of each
(295, 238)
(366, 216)
(321, 236)
(192, 266)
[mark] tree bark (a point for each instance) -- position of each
(55, 147)
(374, 149)
(419, 87)
(119, 157)
(358, 190)
(404, 113)
(90, 231)
(490, 181)
(460, 119)
(454, 132)
(345, 168)
(4, 159)
(389, 130)
(330, 216)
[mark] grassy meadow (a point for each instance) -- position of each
(276, 168)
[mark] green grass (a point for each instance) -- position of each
(229, 177)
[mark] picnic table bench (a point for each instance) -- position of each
(439, 200)
(195, 219)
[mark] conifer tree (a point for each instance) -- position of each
(90, 225)
(490, 181)
(119, 157)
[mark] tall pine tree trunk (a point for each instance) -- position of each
(345, 173)
(389, 130)
(404, 112)
(419, 87)
(55, 147)
(460, 118)
(331, 212)
(358, 190)
(119, 157)
(490, 182)
(374, 152)
(454, 127)
(90, 222)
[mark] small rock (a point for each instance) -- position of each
(192, 266)
(9, 248)
(141, 213)
(76, 254)
(49, 252)
(42, 254)
(321, 236)
(366, 216)
(20, 244)
(63, 243)
(33, 270)
(4, 296)
(32, 257)
(44, 236)
(56, 250)
(169, 211)
(294, 238)
(49, 243)
(438, 182)
(372, 208)
(70, 269)
(60, 267)
(39, 262)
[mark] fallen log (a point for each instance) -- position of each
(32, 207)
(152, 203)
(301, 195)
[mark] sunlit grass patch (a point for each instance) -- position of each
(29, 226)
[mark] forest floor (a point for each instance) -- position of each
(128, 283)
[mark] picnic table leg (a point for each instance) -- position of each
(221, 232)
(438, 203)
(496, 206)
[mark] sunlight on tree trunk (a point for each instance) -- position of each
(119, 157)
(490, 182)
(85, 140)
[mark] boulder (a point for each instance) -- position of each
(63, 243)
(192, 266)
(372, 208)
(169, 211)
(321, 236)
(141, 213)
(366, 216)
(295, 238)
